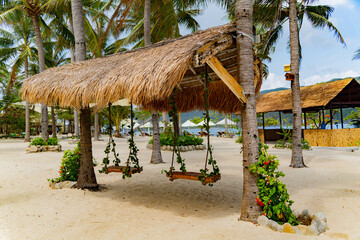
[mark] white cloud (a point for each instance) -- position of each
(274, 81)
(336, 3)
(327, 77)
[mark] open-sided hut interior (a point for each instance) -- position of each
(147, 76)
(316, 98)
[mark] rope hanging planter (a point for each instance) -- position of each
(132, 164)
(204, 176)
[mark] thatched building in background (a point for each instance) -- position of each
(147, 76)
(315, 98)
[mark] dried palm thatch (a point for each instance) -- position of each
(146, 76)
(329, 95)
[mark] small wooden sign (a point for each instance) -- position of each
(289, 76)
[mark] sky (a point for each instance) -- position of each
(324, 57)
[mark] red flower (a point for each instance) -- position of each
(267, 163)
(259, 202)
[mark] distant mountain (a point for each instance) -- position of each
(282, 88)
(274, 90)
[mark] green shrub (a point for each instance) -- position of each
(52, 141)
(70, 164)
(273, 197)
(39, 141)
(168, 140)
(239, 140)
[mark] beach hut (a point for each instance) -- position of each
(315, 99)
(148, 77)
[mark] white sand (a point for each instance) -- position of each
(149, 206)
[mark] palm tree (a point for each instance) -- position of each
(167, 15)
(34, 9)
(87, 178)
(244, 24)
(273, 14)
(17, 47)
(357, 55)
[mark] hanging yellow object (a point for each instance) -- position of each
(287, 68)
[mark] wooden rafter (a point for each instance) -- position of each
(226, 77)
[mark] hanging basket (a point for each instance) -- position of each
(192, 176)
(121, 169)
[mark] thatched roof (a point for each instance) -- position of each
(314, 97)
(147, 76)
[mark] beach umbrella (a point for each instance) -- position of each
(229, 122)
(188, 123)
(200, 124)
(36, 107)
(149, 125)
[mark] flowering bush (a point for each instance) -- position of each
(273, 197)
(12, 119)
(70, 164)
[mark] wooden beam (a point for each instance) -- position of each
(225, 76)
(211, 49)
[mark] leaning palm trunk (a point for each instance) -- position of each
(156, 153)
(297, 157)
(41, 57)
(87, 178)
(249, 210)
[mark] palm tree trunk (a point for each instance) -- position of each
(180, 127)
(27, 106)
(249, 209)
(297, 157)
(165, 119)
(97, 128)
(41, 57)
(226, 125)
(76, 123)
(76, 113)
(53, 122)
(156, 153)
(87, 178)
(147, 11)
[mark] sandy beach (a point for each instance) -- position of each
(149, 206)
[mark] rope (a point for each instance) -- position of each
(207, 115)
(242, 34)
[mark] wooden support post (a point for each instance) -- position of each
(280, 119)
(323, 114)
(225, 76)
(305, 120)
(342, 119)
(331, 119)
